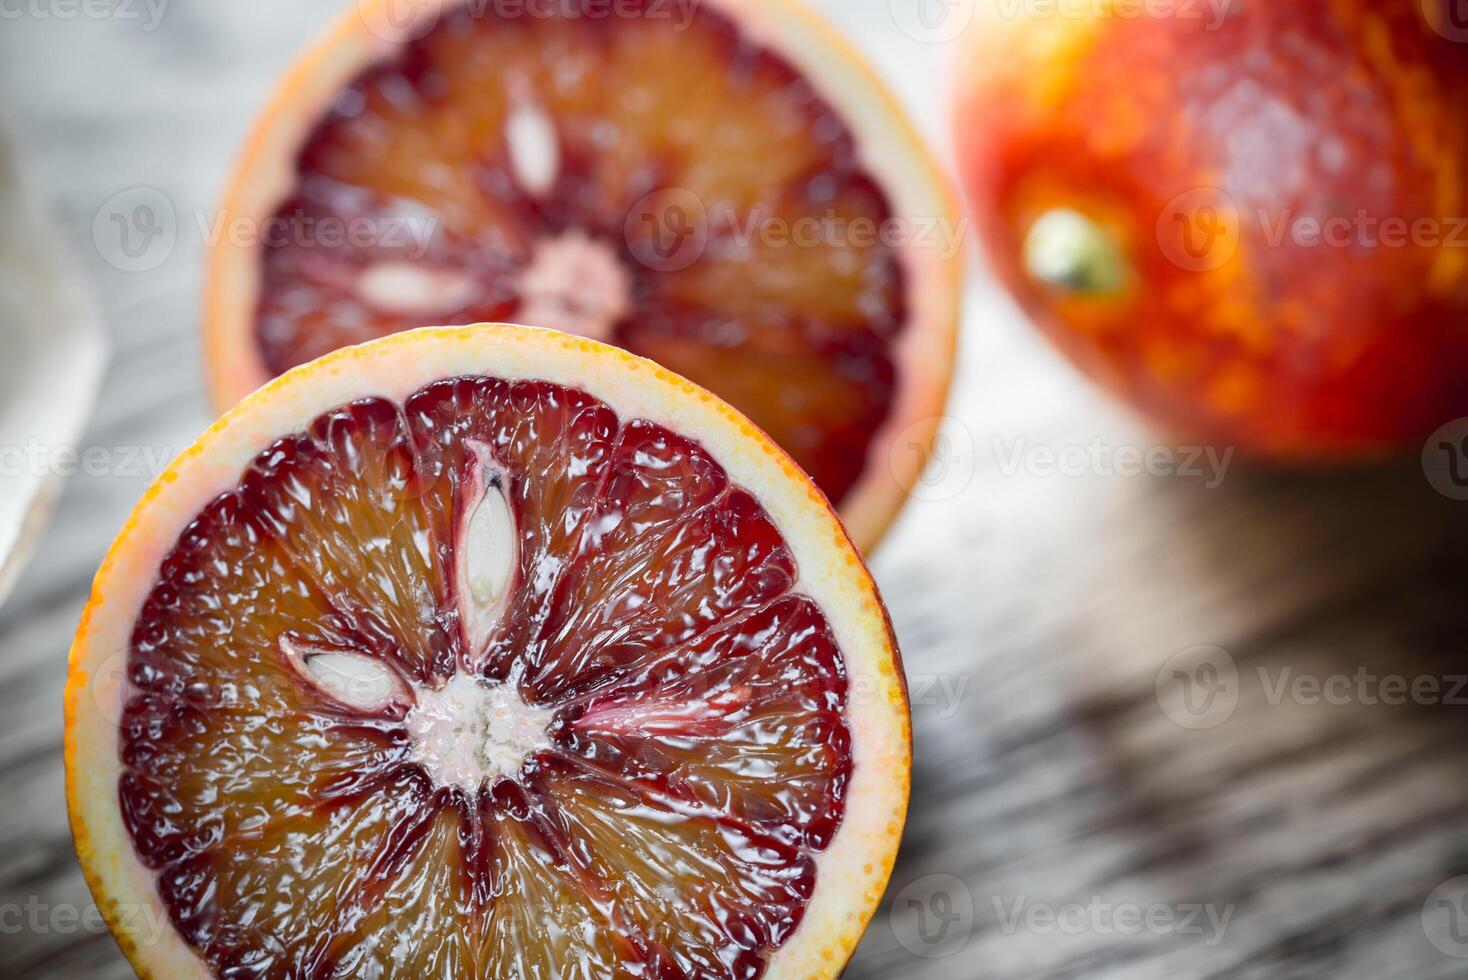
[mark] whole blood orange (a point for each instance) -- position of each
(485, 652)
(720, 186)
(1250, 219)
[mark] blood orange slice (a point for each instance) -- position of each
(719, 186)
(487, 652)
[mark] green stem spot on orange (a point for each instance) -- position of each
(1068, 252)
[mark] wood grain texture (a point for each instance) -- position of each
(1036, 611)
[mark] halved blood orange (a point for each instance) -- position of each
(720, 186)
(490, 652)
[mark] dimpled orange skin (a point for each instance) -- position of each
(1316, 309)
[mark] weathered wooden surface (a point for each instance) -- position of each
(1036, 610)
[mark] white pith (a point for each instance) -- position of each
(470, 734)
(576, 284)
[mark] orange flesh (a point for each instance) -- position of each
(695, 756)
(787, 306)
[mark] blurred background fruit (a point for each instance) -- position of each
(53, 356)
(722, 187)
(1251, 221)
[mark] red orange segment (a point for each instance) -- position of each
(341, 501)
(671, 550)
(698, 724)
(556, 443)
(416, 924)
(705, 898)
(543, 923)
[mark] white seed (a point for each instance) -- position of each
(486, 555)
(407, 289)
(353, 680)
(535, 150)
